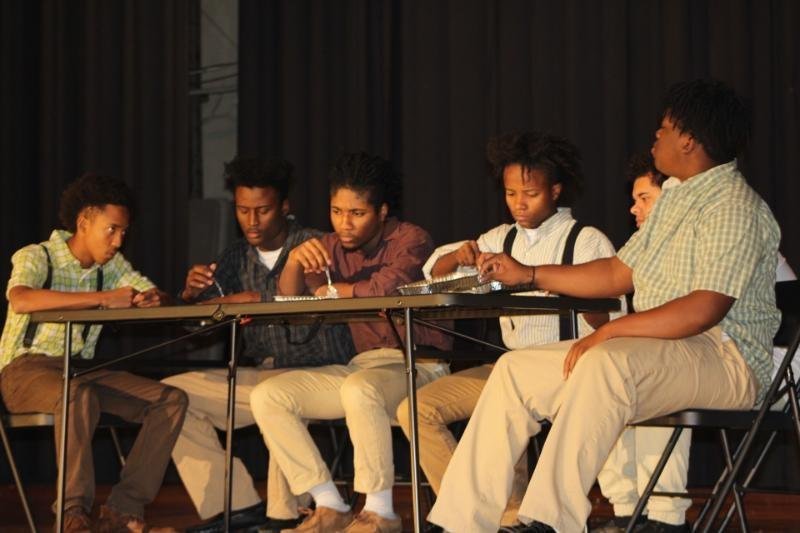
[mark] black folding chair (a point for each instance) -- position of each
(773, 416)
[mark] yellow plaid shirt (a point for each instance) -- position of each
(29, 269)
(713, 233)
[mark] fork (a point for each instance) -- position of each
(332, 292)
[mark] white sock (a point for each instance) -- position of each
(380, 503)
(327, 495)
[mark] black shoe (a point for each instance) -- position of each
(654, 526)
(432, 528)
(618, 524)
(249, 519)
(533, 527)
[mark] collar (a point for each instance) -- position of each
(61, 256)
(708, 181)
(389, 233)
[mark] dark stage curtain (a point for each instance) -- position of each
(96, 86)
(427, 83)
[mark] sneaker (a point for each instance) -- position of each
(533, 527)
(112, 521)
(322, 520)
(246, 519)
(619, 524)
(76, 520)
(654, 526)
(369, 522)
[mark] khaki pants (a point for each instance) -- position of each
(619, 381)
(447, 400)
(199, 456)
(630, 465)
(365, 392)
(33, 383)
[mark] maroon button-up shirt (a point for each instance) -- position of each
(397, 260)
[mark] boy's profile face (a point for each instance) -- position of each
(356, 221)
(261, 216)
(644, 194)
(530, 197)
(101, 231)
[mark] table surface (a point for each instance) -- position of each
(430, 306)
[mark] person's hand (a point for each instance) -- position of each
(150, 298)
(198, 279)
(503, 268)
(311, 255)
(467, 254)
(580, 347)
(118, 298)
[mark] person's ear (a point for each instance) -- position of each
(384, 212)
(83, 220)
(555, 191)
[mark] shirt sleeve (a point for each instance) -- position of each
(123, 275)
(592, 244)
(632, 250)
(28, 268)
(403, 265)
(492, 241)
(438, 253)
(730, 247)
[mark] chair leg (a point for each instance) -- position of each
(735, 489)
(648, 490)
(117, 446)
(752, 474)
(17, 480)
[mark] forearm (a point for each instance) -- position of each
(27, 300)
(292, 281)
(601, 278)
(444, 265)
(680, 318)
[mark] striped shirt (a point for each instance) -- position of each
(540, 246)
(29, 269)
(713, 233)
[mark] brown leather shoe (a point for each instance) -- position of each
(322, 520)
(76, 520)
(369, 522)
(112, 521)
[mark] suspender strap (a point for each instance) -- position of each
(508, 243)
(564, 331)
(30, 332)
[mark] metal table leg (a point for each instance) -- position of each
(62, 444)
(232, 365)
(411, 379)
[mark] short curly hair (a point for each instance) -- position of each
(93, 190)
(642, 164)
(262, 173)
(368, 174)
(711, 112)
(556, 157)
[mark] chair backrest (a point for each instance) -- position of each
(787, 298)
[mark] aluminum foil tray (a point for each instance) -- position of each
(454, 282)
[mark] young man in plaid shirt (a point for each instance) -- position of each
(81, 268)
